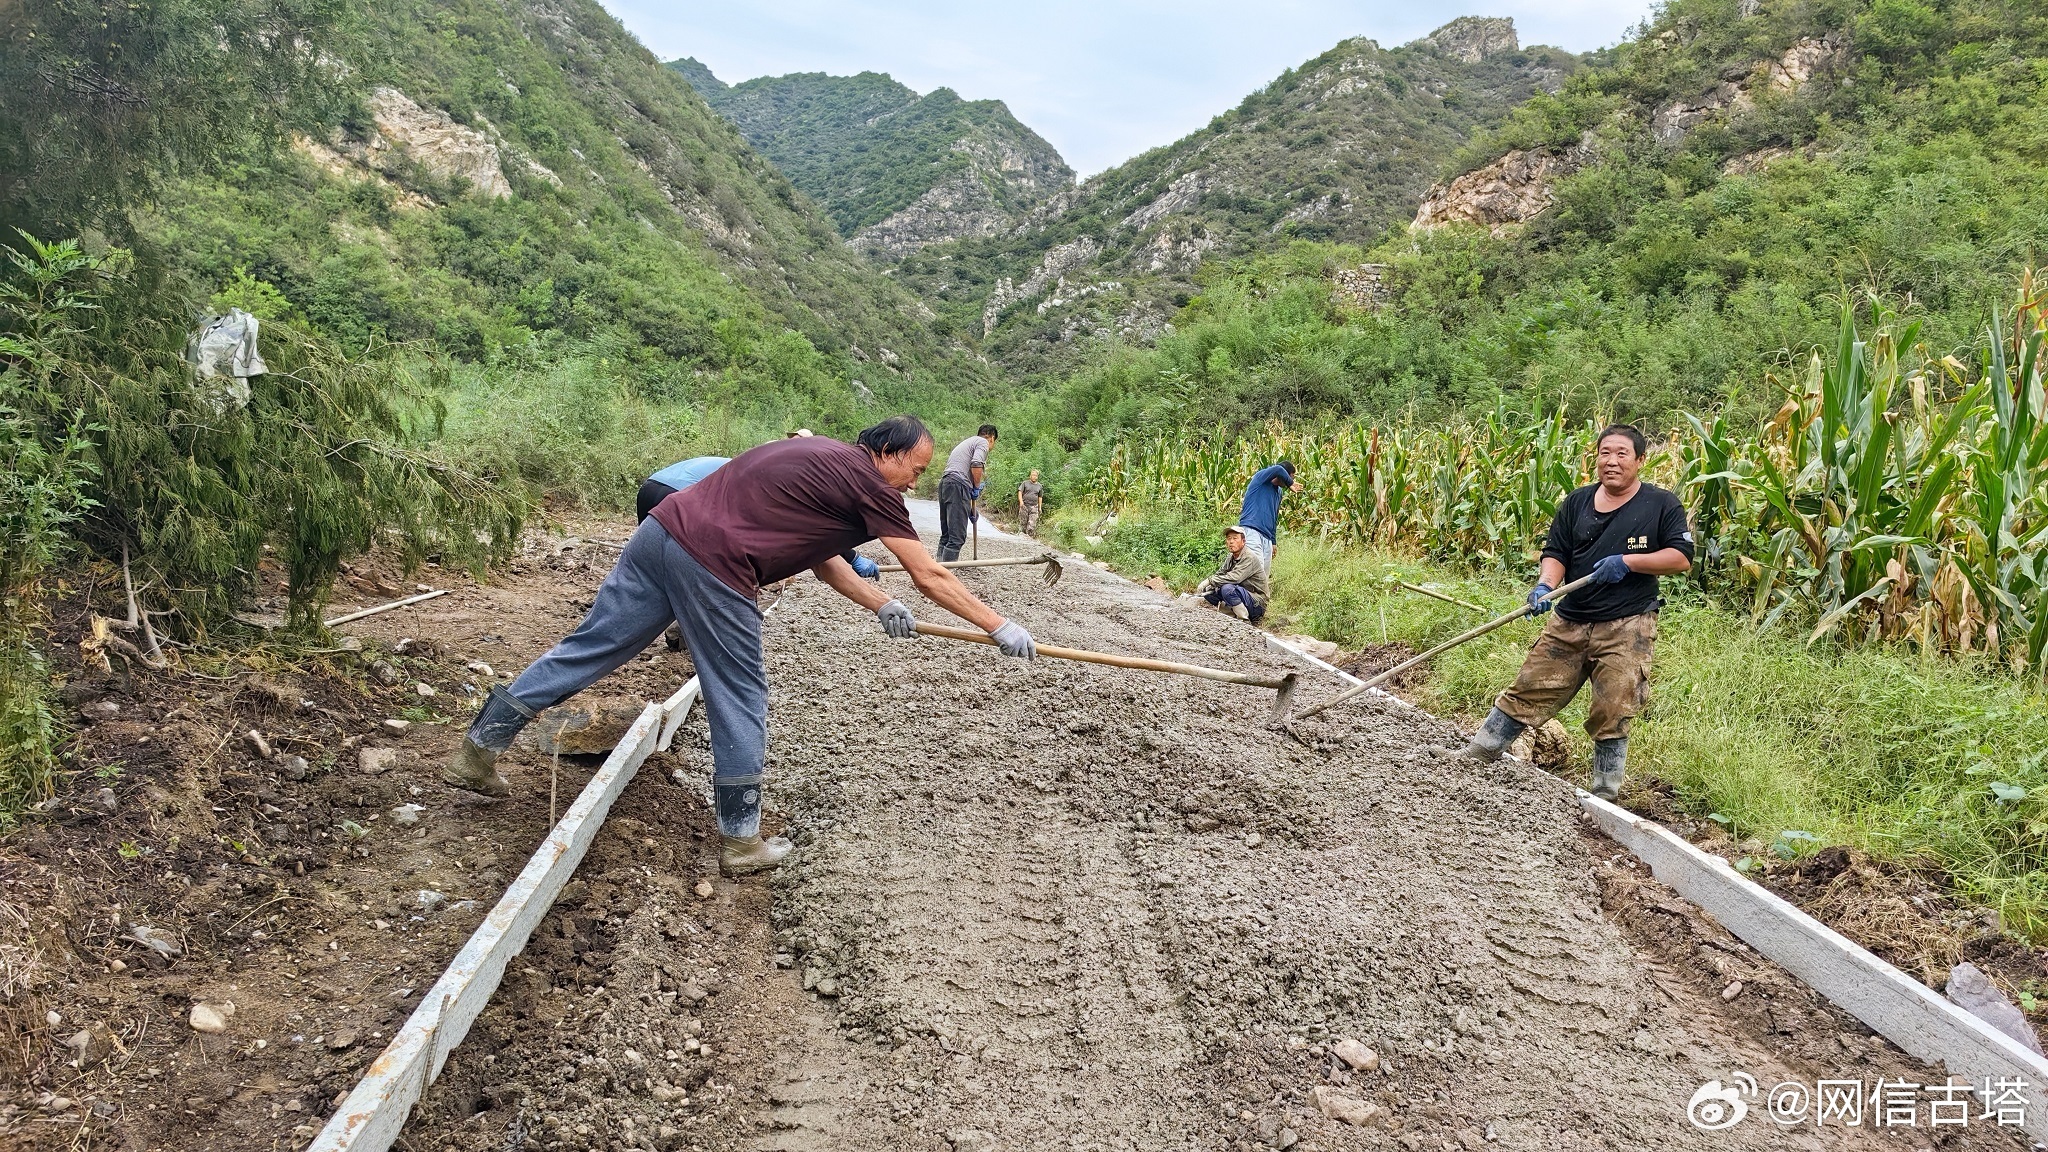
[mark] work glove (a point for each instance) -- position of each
(973, 517)
(977, 490)
(865, 568)
(1539, 599)
(897, 620)
(1611, 570)
(1207, 585)
(1014, 640)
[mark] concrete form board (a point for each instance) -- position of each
(1896, 1006)
(370, 1119)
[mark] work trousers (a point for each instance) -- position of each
(1231, 595)
(651, 492)
(655, 582)
(1028, 519)
(956, 499)
(1261, 546)
(1613, 654)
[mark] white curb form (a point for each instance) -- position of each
(1898, 1007)
(1894, 1005)
(370, 1118)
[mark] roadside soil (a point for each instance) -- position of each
(1040, 905)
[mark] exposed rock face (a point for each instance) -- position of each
(1180, 196)
(433, 140)
(1788, 73)
(1058, 259)
(1474, 38)
(1512, 190)
(975, 202)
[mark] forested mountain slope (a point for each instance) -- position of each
(1676, 230)
(516, 176)
(1339, 149)
(895, 170)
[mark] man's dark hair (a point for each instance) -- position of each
(894, 435)
(1287, 464)
(1634, 434)
(988, 430)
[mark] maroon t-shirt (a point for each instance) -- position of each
(782, 508)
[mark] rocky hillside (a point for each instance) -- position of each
(895, 170)
(518, 176)
(1339, 149)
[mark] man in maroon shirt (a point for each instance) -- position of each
(699, 559)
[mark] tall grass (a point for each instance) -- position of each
(1899, 493)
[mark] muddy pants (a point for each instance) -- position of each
(656, 582)
(1028, 520)
(956, 499)
(1613, 654)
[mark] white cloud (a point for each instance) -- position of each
(1102, 79)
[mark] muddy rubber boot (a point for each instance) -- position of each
(739, 823)
(474, 767)
(674, 637)
(745, 855)
(1610, 764)
(1491, 741)
(1241, 612)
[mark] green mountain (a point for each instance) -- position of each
(516, 179)
(895, 170)
(1339, 149)
(1678, 229)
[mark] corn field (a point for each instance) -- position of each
(1899, 494)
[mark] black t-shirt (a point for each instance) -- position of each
(1651, 521)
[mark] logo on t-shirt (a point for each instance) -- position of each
(1635, 542)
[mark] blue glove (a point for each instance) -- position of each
(897, 622)
(1611, 570)
(977, 491)
(973, 517)
(865, 568)
(1014, 640)
(1539, 599)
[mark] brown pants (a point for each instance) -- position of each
(1029, 517)
(1613, 654)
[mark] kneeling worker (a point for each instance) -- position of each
(1239, 586)
(699, 560)
(1625, 534)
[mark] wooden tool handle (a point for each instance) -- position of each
(1045, 558)
(1114, 661)
(1453, 642)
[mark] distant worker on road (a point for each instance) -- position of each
(1030, 498)
(1260, 514)
(1625, 534)
(960, 487)
(1239, 586)
(700, 559)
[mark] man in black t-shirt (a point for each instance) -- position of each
(1625, 534)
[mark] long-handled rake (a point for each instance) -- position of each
(1283, 687)
(1053, 568)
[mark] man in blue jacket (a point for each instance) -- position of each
(1260, 515)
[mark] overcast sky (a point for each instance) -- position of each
(1102, 79)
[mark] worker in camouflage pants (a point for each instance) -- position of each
(1624, 534)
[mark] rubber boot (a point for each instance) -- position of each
(474, 767)
(674, 637)
(745, 851)
(1241, 612)
(1610, 764)
(1491, 741)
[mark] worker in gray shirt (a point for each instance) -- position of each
(959, 487)
(1030, 498)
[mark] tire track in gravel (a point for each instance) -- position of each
(1068, 907)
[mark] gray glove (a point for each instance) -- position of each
(1014, 640)
(897, 620)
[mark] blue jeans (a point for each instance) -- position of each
(653, 583)
(1231, 595)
